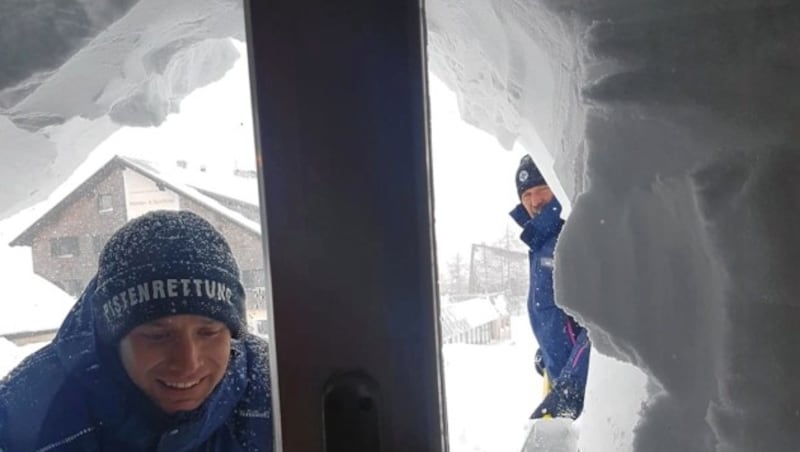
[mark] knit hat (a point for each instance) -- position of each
(528, 175)
(166, 263)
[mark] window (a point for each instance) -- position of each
(105, 203)
(64, 247)
(253, 278)
(262, 327)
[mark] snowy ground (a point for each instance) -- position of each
(31, 304)
(492, 389)
(11, 355)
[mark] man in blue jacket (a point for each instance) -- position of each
(155, 355)
(563, 355)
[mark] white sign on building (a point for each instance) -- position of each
(143, 195)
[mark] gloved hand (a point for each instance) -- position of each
(543, 226)
(520, 215)
(561, 401)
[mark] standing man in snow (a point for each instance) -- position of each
(155, 355)
(563, 355)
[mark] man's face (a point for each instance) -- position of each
(534, 198)
(177, 360)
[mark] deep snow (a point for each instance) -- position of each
(670, 124)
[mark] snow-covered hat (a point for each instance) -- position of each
(166, 263)
(528, 175)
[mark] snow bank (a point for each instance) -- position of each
(8, 356)
(11, 355)
(513, 66)
(81, 70)
(43, 309)
(490, 390)
(672, 127)
(33, 304)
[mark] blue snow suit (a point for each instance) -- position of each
(563, 343)
(74, 395)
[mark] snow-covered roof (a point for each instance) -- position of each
(152, 170)
(465, 315)
(42, 308)
(148, 170)
(227, 186)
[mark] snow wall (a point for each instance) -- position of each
(667, 125)
(73, 71)
(672, 126)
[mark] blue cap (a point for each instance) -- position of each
(528, 175)
(166, 263)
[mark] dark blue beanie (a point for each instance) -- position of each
(166, 263)
(528, 175)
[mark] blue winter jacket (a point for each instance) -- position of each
(73, 395)
(564, 343)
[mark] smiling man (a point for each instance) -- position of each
(177, 361)
(563, 355)
(155, 355)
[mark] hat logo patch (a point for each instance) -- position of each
(523, 176)
(121, 304)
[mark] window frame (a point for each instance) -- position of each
(105, 196)
(58, 247)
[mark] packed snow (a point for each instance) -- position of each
(669, 126)
(33, 304)
(672, 126)
(81, 69)
(11, 354)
